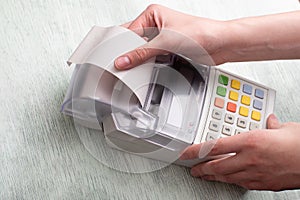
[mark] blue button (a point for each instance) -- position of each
(247, 89)
(257, 104)
(259, 93)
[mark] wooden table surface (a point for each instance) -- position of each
(41, 154)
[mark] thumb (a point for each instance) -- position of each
(273, 122)
(139, 55)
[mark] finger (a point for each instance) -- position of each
(232, 144)
(191, 152)
(147, 33)
(253, 185)
(126, 25)
(273, 122)
(136, 57)
(220, 167)
(149, 18)
(235, 178)
(139, 55)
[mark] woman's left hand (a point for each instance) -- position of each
(264, 159)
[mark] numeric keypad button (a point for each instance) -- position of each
(253, 126)
(214, 126)
(238, 131)
(227, 130)
(212, 136)
(217, 114)
(229, 118)
(242, 123)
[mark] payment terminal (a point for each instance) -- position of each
(182, 103)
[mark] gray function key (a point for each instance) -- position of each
(227, 130)
(253, 126)
(242, 123)
(238, 131)
(229, 118)
(217, 114)
(212, 136)
(214, 126)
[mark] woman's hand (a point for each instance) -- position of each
(264, 159)
(175, 32)
(213, 42)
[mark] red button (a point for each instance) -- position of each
(231, 107)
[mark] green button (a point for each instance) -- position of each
(223, 80)
(221, 91)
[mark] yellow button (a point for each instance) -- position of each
(235, 84)
(233, 95)
(246, 100)
(244, 111)
(256, 115)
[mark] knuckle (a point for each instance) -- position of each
(154, 10)
(252, 161)
(215, 167)
(140, 54)
(153, 7)
(253, 139)
(217, 147)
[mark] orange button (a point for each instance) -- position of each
(231, 107)
(219, 102)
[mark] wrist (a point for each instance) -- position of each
(262, 38)
(216, 39)
(239, 44)
(243, 42)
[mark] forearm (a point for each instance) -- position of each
(247, 39)
(263, 38)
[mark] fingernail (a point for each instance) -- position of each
(273, 122)
(273, 117)
(122, 62)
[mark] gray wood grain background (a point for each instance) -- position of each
(41, 155)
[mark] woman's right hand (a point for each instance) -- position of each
(167, 30)
(213, 42)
